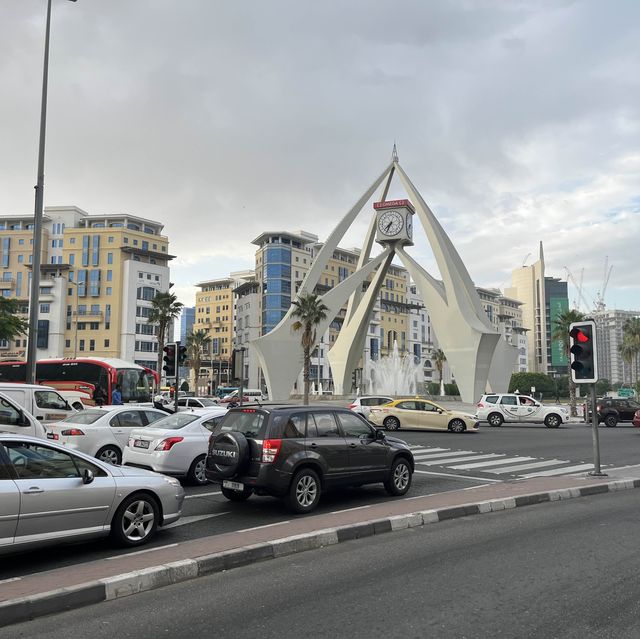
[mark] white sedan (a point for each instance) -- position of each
(102, 432)
(176, 445)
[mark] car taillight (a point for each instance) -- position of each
(479, 405)
(351, 405)
(70, 432)
(52, 436)
(167, 444)
(599, 408)
(270, 450)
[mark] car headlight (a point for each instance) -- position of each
(171, 480)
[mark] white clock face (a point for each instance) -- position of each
(409, 226)
(390, 223)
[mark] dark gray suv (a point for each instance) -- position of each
(296, 452)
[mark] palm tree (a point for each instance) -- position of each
(197, 342)
(631, 335)
(10, 324)
(439, 358)
(311, 311)
(561, 334)
(627, 353)
(164, 309)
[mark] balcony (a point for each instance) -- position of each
(7, 284)
(87, 316)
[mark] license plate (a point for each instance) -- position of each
(234, 485)
(140, 443)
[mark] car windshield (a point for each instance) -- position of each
(84, 417)
(174, 422)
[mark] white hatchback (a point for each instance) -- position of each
(102, 432)
(176, 445)
(497, 408)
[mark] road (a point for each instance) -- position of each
(560, 569)
(488, 453)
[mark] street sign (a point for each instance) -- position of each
(626, 392)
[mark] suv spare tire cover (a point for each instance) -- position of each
(229, 454)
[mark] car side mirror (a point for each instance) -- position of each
(440, 411)
(67, 406)
(379, 436)
(23, 420)
(87, 476)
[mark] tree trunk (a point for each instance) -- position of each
(161, 332)
(572, 394)
(305, 374)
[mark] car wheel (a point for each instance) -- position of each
(304, 492)
(457, 426)
(399, 480)
(495, 419)
(552, 421)
(109, 454)
(136, 520)
(610, 421)
(391, 423)
(236, 495)
(196, 471)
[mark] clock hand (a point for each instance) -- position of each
(388, 226)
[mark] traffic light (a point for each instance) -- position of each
(182, 355)
(169, 360)
(582, 347)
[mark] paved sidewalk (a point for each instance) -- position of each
(70, 587)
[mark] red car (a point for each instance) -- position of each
(636, 418)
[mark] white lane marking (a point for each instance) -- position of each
(6, 581)
(560, 471)
(140, 552)
(288, 521)
(216, 492)
(443, 455)
(621, 467)
(427, 449)
(427, 472)
(346, 510)
(446, 462)
(541, 464)
(487, 464)
(183, 521)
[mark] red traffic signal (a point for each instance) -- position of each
(169, 360)
(582, 349)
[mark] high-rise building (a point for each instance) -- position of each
(187, 319)
(543, 300)
(99, 275)
(609, 335)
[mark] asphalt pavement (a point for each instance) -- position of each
(560, 569)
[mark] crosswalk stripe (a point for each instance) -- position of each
(439, 462)
(444, 455)
(560, 471)
(540, 464)
(422, 449)
(486, 464)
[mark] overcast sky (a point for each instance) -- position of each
(518, 121)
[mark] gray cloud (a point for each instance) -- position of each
(225, 119)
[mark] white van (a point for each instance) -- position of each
(249, 394)
(14, 419)
(43, 402)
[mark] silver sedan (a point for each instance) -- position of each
(49, 494)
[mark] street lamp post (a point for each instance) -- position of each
(32, 341)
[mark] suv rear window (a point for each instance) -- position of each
(249, 422)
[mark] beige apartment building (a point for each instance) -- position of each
(98, 277)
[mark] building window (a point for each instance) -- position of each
(85, 250)
(109, 258)
(110, 240)
(109, 276)
(81, 345)
(45, 308)
(92, 344)
(108, 290)
(67, 343)
(106, 343)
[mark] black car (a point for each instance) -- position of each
(612, 410)
(297, 452)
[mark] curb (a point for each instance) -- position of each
(64, 599)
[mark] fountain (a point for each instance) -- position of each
(395, 374)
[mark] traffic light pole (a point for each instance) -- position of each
(596, 472)
(177, 369)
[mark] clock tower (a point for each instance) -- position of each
(394, 222)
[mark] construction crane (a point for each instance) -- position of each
(578, 287)
(599, 304)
